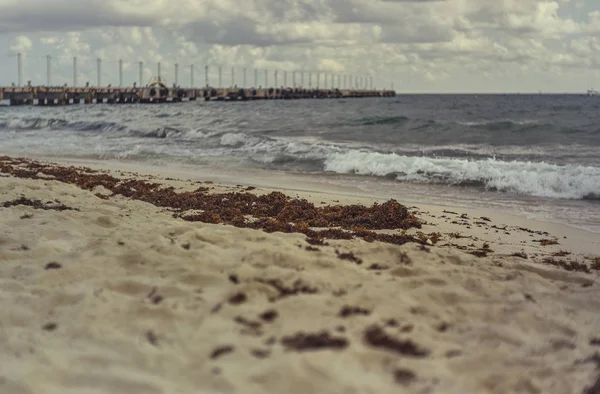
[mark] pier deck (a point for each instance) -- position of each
(42, 95)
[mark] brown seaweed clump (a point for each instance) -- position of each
(567, 265)
(376, 337)
(271, 212)
(37, 204)
(314, 341)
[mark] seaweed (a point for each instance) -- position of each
(376, 337)
(273, 212)
(315, 341)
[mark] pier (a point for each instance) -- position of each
(42, 95)
(331, 86)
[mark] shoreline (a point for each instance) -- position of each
(580, 242)
(112, 288)
(303, 185)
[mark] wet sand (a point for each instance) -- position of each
(121, 288)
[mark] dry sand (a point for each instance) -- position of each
(120, 297)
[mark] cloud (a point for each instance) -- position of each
(21, 44)
(422, 44)
(64, 15)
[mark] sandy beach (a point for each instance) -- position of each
(114, 281)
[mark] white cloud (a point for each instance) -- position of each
(21, 44)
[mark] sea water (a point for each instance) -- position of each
(532, 155)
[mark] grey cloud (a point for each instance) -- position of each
(241, 31)
(285, 24)
(64, 15)
(416, 34)
(364, 11)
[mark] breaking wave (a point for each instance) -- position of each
(38, 123)
(32, 123)
(530, 178)
(512, 167)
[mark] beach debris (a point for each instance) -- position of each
(595, 388)
(53, 265)
(221, 351)
(377, 267)
(482, 252)
(37, 204)
(298, 287)
(316, 241)
(26, 216)
(595, 341)
(217, 307)
(152, 338)
(561, 253)
(479, 253)
(429, 239)
(532, 231)
(260, 353)
(269, 315)
(377, 337)
(391, 322)
(567, 265)
(521, 254)
(529, 297)
(404, 376)
(347, 311)
(315, 341)
(546, 242)
(233, 278)
(453, 353)
(457, 235)
(594, 359)
(237, 299)
(51, 326)
(348, 256)
(254, 325)
(404, 259)
(271, 212)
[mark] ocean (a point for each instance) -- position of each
(536, 156)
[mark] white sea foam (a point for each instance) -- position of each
(234, 139)
(530, 178)
(449, 164)
(507, 122)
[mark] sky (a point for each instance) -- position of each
(416, 46)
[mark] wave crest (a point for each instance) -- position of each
(529, 178)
